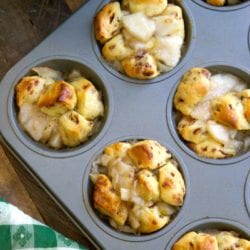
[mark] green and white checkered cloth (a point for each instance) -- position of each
(20, 231)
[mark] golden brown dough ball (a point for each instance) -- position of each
(147, 185)
(245, 244)
(172, 185)
(229, 111)
(117, 150)
(245, 97)
(57, 98)
(115, 49)
(192, 130)
(89, 101)
(216, 2)
(105, 199)
(196, 241)
(193, 87)
(149, 219)
(212, 149)
(107, 22)
(140, 66)
(170, 22)
(121, 216)
(148, 154)
(74, 128)
(29, 89)
(149, 7)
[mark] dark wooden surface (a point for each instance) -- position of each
(23, 24)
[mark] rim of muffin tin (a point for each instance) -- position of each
(247, 193)
(222, 8)
(249, 39)
(217, 68)
(87, 188)
(189, 42)
(212, 223)
(101, 84)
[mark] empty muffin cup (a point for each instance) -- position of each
(59, 106)
(133, 51)
(207, 113)
(135, 190)
(213, 231)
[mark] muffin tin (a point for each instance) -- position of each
(218, 191)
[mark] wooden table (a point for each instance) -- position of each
(23, 24)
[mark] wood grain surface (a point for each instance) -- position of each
(23, 24)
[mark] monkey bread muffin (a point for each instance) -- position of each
(137, 186)
(58, 110)
(214, 240)
(140, 38)
(213, 113)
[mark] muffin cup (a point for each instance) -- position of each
(222, 8)
(88, 190)
(189, 42)
(213, 67)
(211, 224)
(63, 64)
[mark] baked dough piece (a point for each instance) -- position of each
(148, 219)
(212, 149)
(148, 154)
(57, 98)
(193, 87)
(74, 128)
(115, 49)
(149, 7)
(29, 89)
(172, 186)
(245, 244)
(89, 101)
(196, 241)
(141, 66)
(107, 201)
(117, 149)
(107, 22)
(192, 130)
(229, 111)
(245, 97)
(121, 216)
(147, 185)
(170, 22)
(227, 240)
(216, 2)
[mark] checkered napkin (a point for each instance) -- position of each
(20, 231)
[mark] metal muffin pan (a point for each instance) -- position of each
(215, 188)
